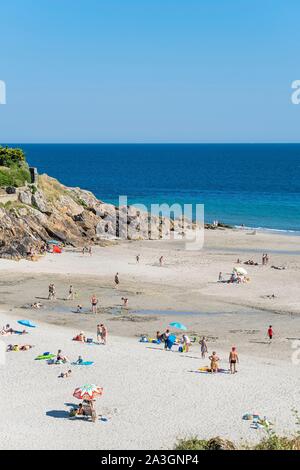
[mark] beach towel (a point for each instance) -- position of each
(43, 357)
(84, 363)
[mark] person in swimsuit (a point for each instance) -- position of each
(117, 281)
(165, 337)
(214, 362)
(94, 302)
(137, 258)
(270, 333)
(186, 342)
(103, 333)
(233, 360)
(99, 333)
(203, 346)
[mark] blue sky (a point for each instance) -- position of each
(149, 70)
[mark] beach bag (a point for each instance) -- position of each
(89, 340)
(180, 349)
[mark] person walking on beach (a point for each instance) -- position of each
(220, 277)
(203, 346)
(99, 332)
(270, 333)
(117, 281)
(51, 295)
(161, 259)
(103, 334)
(94, 302)
(71, 295)
(264, 259)
(90, 250)
(233, 360)
(137, 259)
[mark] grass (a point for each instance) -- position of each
(14, 176)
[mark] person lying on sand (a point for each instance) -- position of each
(60, 357)
(7, 330)
(214, 362)
(79, 309)
(233, 360)
(65, 375)
(36, 305)
(80, 337)
(16, 347)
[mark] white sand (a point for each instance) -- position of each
(151, 396)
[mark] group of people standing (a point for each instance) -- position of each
(265, 259)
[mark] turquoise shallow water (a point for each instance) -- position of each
(257, 185)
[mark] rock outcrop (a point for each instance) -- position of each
(75, 217)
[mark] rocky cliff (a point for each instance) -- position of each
(50, 210)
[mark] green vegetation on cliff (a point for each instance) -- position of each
(14, 170)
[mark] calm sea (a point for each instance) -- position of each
(257, 185)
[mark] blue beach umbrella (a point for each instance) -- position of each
(27, 323)
(177, 325)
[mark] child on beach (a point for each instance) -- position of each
(233, 359)
(79, 360)
(65, 375)
(214, 362)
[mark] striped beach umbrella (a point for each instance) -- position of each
(88, 392)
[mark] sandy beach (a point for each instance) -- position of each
(152, 397)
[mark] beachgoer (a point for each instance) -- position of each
(220, 277)
(71, 294)
(60, 357)
(233, 360)
(64, 375)
(186, 342)
(99, 333)
(79, 360)
(203, 346)
(137, 258)
(79, 308)
(51, 295)
(214, 362)
(103, 333)
(80, 337)
(125, 301)
(270, 333)
(94, 302)
(161, 259)
(117, 281)
(165, 337)
(90, 251)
